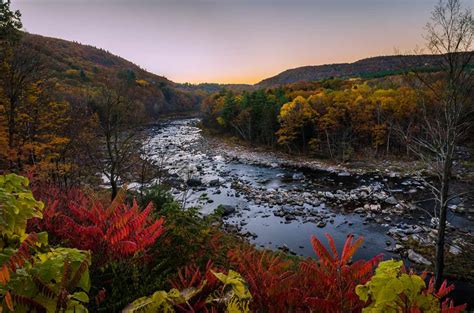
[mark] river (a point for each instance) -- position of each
(278, 207)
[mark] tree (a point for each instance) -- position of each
(118, 118)
(294, 117)
(10, 24)
(20, 68)
(447, 105)
(40, 141)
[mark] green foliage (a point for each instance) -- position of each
(34, 276)
(232, 294)
(10, 23)
(159, 195)
(57, 278)
(127, 75)
(253, 116)
(17, 205)
(392, 290)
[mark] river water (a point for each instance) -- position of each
(281, 208)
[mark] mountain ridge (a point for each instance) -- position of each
(372, 66)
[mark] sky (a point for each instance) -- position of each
(232, 41)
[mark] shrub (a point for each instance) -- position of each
(391, 289)
(280, 284)
(114, 232)
(229, 294)
(191, 277)
(328, 285)
(34, 276)
(270, 277)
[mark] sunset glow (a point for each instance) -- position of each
(232, 41)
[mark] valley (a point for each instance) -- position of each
(278, 206)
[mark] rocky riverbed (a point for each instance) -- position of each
(278, 203)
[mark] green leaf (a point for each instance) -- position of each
(80, 296)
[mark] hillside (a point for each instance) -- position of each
(214, 87)
(366, 68)
(79, 69)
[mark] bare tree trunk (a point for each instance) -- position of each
(388, 139)
(113, 185)
(329, 144)
(11, 122)
(444, 193)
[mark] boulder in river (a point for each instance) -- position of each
(417, 258)
(226, 209)
(214, 182)
(391, 200)
(321, 224)
(344, 174)
(298, 176)
(194, 182)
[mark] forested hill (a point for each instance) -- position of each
(79, 70)
(214, 87)
(365, 68)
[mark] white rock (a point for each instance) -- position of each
(417, 258)
(455, 250)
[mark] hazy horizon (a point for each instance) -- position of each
(223, 41)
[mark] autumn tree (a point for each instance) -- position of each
(10, 25)
(41, 141)
(31, 121)
(447, 106)
(295, 117)
(335, 121)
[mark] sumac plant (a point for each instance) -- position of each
(270, 277)
(191, 277)
(112, 232)
(328, 285)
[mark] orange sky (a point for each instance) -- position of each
(232, 41)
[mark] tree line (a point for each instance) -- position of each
(333, 118)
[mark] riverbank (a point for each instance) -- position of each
(392, 165)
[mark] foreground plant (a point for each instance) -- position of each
(279, 284)
(270, 277)
(113, 232)
(391, 289)
(34, 276)
(328, 285)
(231, 294)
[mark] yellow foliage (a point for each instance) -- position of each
(72, 73)
(142, 82)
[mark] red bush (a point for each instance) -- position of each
(447, 305)
(270, 278)
(328, 285)
(324, 285)
(111, 232)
